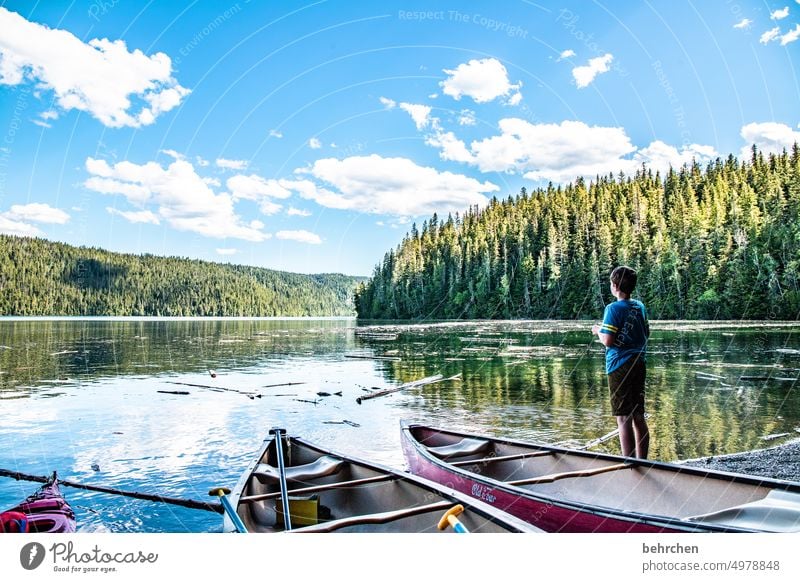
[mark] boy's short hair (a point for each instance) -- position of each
(624, 278)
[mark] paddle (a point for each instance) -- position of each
(604, 438)
(221, 492)
(282, 476)
(450, 518)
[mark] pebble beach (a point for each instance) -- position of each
(780, 462)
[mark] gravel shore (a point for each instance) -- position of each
(781, 462)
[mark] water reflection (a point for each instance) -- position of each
(81, 394)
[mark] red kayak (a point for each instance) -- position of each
(45, 511)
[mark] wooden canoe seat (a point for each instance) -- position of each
(462, 448)
(322, 467)
(779, 512)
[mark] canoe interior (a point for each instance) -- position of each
(396, 493)
(670, 491)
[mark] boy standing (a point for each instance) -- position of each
(624, 332)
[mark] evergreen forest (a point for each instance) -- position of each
(39, 277)
(714, 242)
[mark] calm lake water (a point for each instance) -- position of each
(82, 396)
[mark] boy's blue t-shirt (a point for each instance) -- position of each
(627, 319)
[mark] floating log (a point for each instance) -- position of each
(181, 392)
(283, 384)
(348, 422)
(755, 378)
(772, 437)
(422, 382)
(389, 358)
(190, 503)
(217, 388)
(315, 401)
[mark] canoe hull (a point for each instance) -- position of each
(637, 496)
(335, 492)
(543, 513)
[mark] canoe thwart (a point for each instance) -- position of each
(322, 467)
(462, 448)
(779, 512)
(569, 474)
(515, 457)
(318, 488)
(376, 518)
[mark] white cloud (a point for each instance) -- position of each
(378, 185)
(275, 133)
(314, 143)
(388, 103)
(584, 75)
(419, 113)
(466, 117)
(561, 152)
(182, 197)
(566, 54)
(660, 156)
(482, 80)
(791, 36)
(770, 35)
(557, 152)
(297, 212)
(17, 219)
(201, 162)
(136, 217)
(36, 212)
(254, 187)
(779, 14)
(99, 77)
(17, 228)
(258, 189)
(743, 23)
(173, 154)
(231, 164)
(302, 236)
(41, 123)
(452, 148)
(226, 252)
(769, 137)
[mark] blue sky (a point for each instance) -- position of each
(308, 136)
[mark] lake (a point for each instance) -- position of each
(90, 397)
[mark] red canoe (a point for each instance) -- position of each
(564, 490)
(45, 511)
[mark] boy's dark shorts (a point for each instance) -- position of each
(626, 385)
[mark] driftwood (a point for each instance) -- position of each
(283, 384)
(181, 392)
(347, 422)
(389, 358)
(314, 402)
(423, 382)
(217, 388)
(190, 503)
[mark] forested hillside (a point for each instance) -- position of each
(716, 242)
(38, 277)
